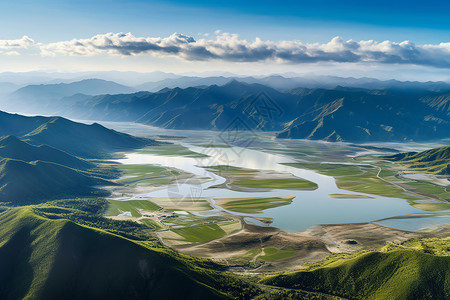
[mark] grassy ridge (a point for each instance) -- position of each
(58, 259)
(254, 205)
(12, 147)
(286, 183)
(22, 182)
(415, 270)
(434, 161)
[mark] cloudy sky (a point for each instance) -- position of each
(385, 39)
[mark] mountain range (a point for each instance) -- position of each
(340, 114)
(435, 161)
(334, 114)
(43, 158)
(91, 141)
(287, 83)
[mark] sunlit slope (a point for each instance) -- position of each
(419, 272)
(22, 182)
(12, 147)
(435, 160)
(58, 259)
(88, 141)
(81, 139)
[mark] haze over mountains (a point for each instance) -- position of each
(320, 108)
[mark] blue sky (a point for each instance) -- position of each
(319, 21)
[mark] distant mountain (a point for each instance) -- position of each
(78, 139)
(7, 88)
(42, 258)
(183, 82)
(287, 83)
(436, 161)
(213, 107)
(12, 147)
(86, 86)
(366, 115)
(23, 183)
(339, 114)
(40, 98)
(128, 78)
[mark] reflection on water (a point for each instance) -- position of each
(308, 207)
(413, 224)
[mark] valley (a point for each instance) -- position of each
(231, 211)
(266, 224)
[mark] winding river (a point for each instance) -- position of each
(308, 208)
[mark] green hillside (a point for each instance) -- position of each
(436, 161)
(58, 259)
(83, 140)
(12, 147)
(417, 270)
(22, 182)
(88, 141)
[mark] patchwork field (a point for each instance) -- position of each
(252, 205)
(200, 234)
(255, 179)
(134, 207)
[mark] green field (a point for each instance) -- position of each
(200, 234)
(349, 196)
(149, 175)
(172, 150)
(116, 207)
(276, 254)
(150, 224)
(288, 183)
(254, 205)
(360, 179)
(223, 169)
(429, 188)
(192, 220)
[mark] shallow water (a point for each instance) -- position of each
(308, 207)
(413, 224)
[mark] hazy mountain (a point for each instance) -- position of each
(183, 82)
(7, 88)
(41, 98)
(339, 114)
(12, 147)
(287, 83)
(74, 138)
(128, 78)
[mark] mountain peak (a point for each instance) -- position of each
(10, 139)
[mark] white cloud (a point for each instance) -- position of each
(231, 48)
(24, 42)
(11, 53)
